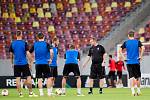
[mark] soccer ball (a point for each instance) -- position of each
(4, 92)
(58, 91)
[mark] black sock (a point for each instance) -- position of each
(91, 89)
(100, 89)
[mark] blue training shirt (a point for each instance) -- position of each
(54, 60)
(132, 48)
(41, 49)
(19, 48)
(72, 56)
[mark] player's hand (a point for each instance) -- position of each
(49, 61)
(12, 65)
(30, 66)
(84, 65)
(140, 59)
(103, 63)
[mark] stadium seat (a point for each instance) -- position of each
(71, 20)
(25, 6)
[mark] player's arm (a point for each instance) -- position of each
(86, 61)
(78, 56)
(29, 57)
(29, 54)
(50, 48)
(142, 48)
(104, 56)
(122, 48)
(51, 55)
(11, 55)
(109, 63)
(88, 58)
(124, 68)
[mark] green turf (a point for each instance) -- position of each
(109, 94)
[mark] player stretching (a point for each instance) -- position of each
(134, 49)
(71, 65)
(96, 53)
(119, 66)
(18, 53)
(41, 49)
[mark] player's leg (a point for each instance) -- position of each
(138, 78)
(39, 76)
(66, 72)
(120, 79)
(90, 85)
(101, 84)
(133, 83)
(78, 85)
(27, 75)
(47, 74)
(54, 74)
(28, 83)
(49, 86)
(138, 86)
(63, 85)
(93, 75)
(101, 81)
(131, 78)
(76, 71)
(114, 79)
(18, 85)
(109, 78)
(17, 74)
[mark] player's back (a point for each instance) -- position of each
(55, 53)
(72, 56)
(132, 48)
(112, 65)
(19, 48)
(41, 49)
(119, 65)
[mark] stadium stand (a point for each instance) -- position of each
(72, 21)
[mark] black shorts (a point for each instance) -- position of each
(53, 71)
(134, 70)
(22, 71)
(97, 71)
(43, 71)
(103, 72)
(112, 74)
(71, 68)
(119, 74)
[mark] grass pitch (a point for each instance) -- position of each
(109, 94)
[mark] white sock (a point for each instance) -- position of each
(41, 91)
(132, 89)
(79, 90)
(30, 92)
(63, 90)
(49, 90)
(138, 90)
